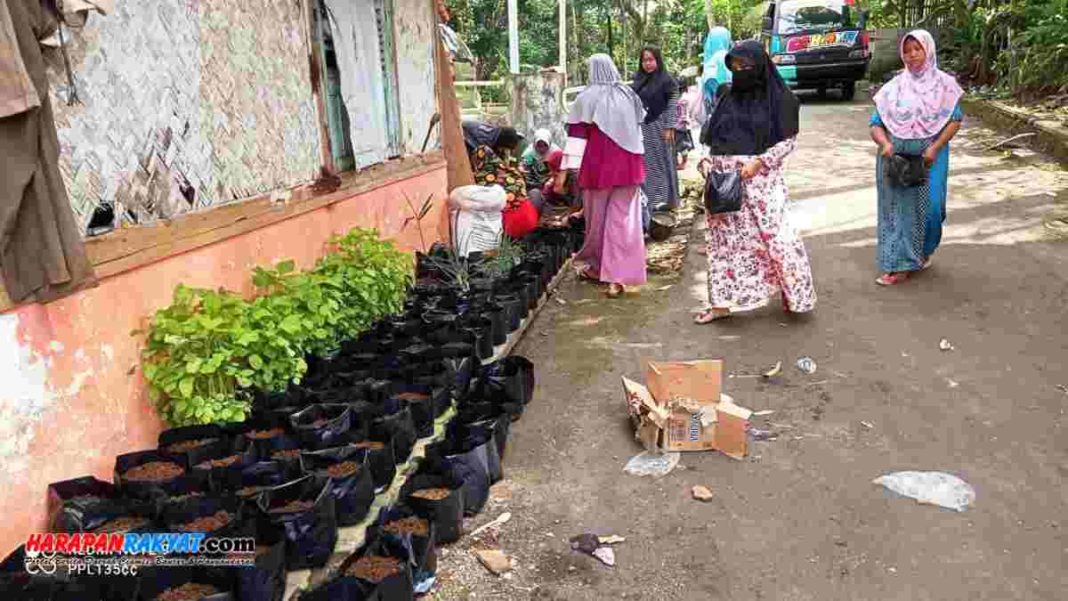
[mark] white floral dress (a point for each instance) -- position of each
(754, 253)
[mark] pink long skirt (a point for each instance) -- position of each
(614, 251)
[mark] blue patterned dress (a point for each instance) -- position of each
(910, 219)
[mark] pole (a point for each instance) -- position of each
(513, 36)
(563, 35)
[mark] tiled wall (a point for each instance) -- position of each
(186, 104)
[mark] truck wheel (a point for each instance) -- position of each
(849, 90)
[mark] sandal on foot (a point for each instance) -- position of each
(926, 263)
(891, 279)
(710, 315)
(615, 290)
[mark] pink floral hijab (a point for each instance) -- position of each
(917, 105)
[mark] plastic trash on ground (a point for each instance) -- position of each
(931, 488)
(651, 464)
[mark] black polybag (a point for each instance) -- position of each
(177, 515)
(398, 428)
(143, 489)
(424, 553)
(82, 504)
(219, 476)
(266, 581)
(279, 438)
(157, 580)
(255, 479)
(420, 401)
(215, 443)
(398, 587)
(510, 380)
(310, 534)
(478, 434)
(446, 514)
(353, 494)
(17, 584)
(336, 421)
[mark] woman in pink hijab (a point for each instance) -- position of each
(916, 115)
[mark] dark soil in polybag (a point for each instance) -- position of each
(351, 481)
(214, 516)
(220, 471)
(416, 533)
(381, 571)
(266, 436)
(380, 458)
(466, 462)
(438, 498)
(146, 474)
(304, 511)
(190, 445)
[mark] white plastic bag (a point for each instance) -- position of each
(932, 488)
(651, 464)
(476, 218)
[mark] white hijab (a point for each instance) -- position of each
(610, 105)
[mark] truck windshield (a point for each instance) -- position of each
(813, 16)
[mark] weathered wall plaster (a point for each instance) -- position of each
(72, 396)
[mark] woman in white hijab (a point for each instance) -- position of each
(605, 144)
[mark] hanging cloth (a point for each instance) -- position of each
(42, 255)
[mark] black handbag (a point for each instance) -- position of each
(723, 192)
(905, 170)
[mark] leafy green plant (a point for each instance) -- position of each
(204, 351)
(208, 349)
(508, 255)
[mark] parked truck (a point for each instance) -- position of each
(818, 44)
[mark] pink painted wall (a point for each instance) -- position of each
(71, 392)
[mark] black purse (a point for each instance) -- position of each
(723, 192)
(905, 170)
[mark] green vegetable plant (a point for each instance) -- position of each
(208, 350)
(504, 258)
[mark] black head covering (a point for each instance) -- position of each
(654, 88)
(477, 133)
(757, 111)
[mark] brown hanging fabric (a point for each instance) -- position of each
(42, 255)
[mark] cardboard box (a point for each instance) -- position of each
(682, 408)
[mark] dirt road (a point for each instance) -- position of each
(800, 518)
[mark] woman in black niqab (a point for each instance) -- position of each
(757, 111)
(754, 253)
